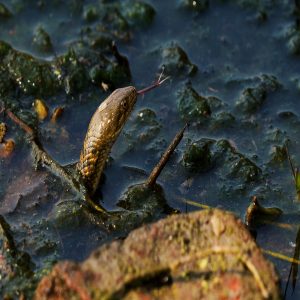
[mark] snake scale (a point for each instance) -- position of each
(103, 130)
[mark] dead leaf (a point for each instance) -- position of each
(41, 109)
(7, 148)
(24, 185)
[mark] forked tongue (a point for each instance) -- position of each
(154, 85)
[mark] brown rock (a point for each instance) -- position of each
(202, 255)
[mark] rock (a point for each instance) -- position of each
(202, 255)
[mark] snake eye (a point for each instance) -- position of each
(124, 104)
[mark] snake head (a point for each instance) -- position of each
(115, 110)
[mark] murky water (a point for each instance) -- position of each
(232, 45)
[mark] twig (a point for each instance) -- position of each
(282, 256)
(21, 123)
(164, 159)
(290, 161)
(194, 203)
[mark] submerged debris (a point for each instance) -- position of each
(58, 111)
(41, 109)
(257, 214)
(6, 148)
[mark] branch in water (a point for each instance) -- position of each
(21, 123)
(164, 159)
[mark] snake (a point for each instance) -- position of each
(103, 130)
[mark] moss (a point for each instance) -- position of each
(176, 61)
(293, 43)
(244, 168)
(235, 164)
(252, 98)
(149, 200)
(113, 22)
(4, 49)
(144, 129)
(83, 66)
(278, 154)
(191, 106)
(223, 120)
(33, 76)
(137, 13)
(198, 157)
(5, 13)
(146, 116)
(101, 42)
(42, 40)
(90, 13)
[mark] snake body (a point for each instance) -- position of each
(103, 130)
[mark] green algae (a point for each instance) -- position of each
(192, 107)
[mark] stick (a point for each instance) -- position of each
(290, 162)
(19, 122)
(164, 159)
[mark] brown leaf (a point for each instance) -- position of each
(24, 185)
